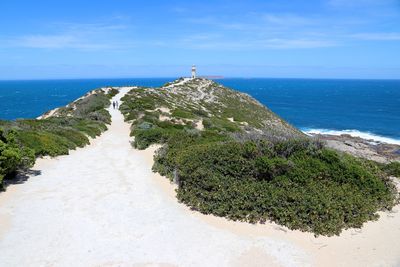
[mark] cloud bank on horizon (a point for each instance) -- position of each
(316, 38)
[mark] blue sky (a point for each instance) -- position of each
(127, 38)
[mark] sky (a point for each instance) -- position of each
(251, 38)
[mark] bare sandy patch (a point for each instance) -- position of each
(254, 257)
(199, 125)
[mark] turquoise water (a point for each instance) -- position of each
(368, 108)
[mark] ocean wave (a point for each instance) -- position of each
(354, 133)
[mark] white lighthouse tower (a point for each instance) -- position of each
(193, 71)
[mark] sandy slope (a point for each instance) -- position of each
(102, 206)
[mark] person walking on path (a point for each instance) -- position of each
(113, 104)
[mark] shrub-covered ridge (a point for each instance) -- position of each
(232, 157)
(55, 133)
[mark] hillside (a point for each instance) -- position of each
(203, 104)
(55, 133)
(232, 157)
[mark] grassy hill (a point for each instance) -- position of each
(233, 157)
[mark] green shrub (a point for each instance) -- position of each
(200, 112)
(12, 157)
(90, 104)
(269, 168)
(43, 143)
(220, 124)
(180, 113)
(100, 115)
(147, 134)
(78, 139)
(258, 172)
(91, 128)
(112, 92)
(318, 191)
(145, 138)
(393, 169)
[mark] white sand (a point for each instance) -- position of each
(200, 125)
(102, 206)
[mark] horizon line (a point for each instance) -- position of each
(217, 77)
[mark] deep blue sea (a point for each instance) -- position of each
(366, 108)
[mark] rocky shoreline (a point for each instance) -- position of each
(363, 148)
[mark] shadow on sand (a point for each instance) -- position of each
(19, 178)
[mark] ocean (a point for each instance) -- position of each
(365, 108)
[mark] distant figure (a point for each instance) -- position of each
(113, 104)
(117, 104)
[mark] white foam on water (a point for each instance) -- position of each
(354, 133)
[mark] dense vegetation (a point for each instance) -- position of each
(246, 164)
(298, 184)
(67, 128)
(13, 156)
(392, 168)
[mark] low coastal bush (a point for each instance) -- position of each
(180, 113)
(234, 169)
(392, 169)
(148, 133)
(12, 156)
(320, 191)
(112, 92)
(220, 124)
(22, 140)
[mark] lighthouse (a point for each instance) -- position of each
(193, 71)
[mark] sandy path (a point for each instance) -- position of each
(102, 206)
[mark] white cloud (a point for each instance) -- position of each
(58, 42)
(360, 3)
(259, 31)
(384, 36)
(288, 20)
(255, 31)
(213, 41)
(201, 37)
(297, 43)
(279, 30)
(86, 36)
